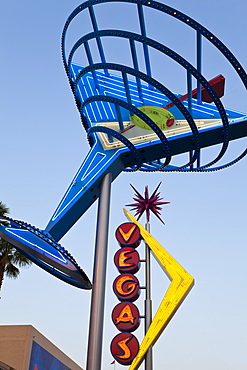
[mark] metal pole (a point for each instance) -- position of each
(199, 65)
(189, 89)
(148, 303)
(94, 351)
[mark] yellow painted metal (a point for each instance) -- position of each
(181, 284)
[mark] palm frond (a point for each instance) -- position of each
(10, 257)
(21, 260)
(5, 247)
(4, 210)
(11, 271)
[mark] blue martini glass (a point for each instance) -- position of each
(112, 98)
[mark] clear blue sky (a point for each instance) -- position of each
(43, 145)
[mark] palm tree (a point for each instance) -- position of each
(9, 256)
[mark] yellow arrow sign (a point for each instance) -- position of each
(181, 284)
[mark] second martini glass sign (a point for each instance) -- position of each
(125, 316)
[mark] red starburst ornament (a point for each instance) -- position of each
(147, 204)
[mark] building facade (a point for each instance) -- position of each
(23, 347)
(5, 367)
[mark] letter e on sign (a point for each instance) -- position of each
(127, 260)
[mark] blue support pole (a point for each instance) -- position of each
(98, 40)
(189, 89)
(199, 160)
(90, 61)
(126, 87)
(135, 65)
(199, 64)
(119, 117)
(145, 47)
(199, 67)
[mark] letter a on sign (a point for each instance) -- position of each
(126, 316)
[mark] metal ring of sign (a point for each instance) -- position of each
(198, 169)
(184, 63)
(50, 240)
(190, 22)
(200, 30)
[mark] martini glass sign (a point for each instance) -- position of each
(133, 122)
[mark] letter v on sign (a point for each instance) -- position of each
(181, 284)
(127, 235)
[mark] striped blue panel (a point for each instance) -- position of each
(113, 85)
